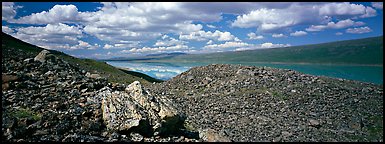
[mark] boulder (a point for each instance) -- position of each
(210, 135)
(41, 56)
(135, 109)
(94, 76)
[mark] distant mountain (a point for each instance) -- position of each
(147, 57)
(367, 51)
(167, 54)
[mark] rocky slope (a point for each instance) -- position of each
(265, 104)
(45, 98)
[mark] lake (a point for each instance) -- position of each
(166, 71)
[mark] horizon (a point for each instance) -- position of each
(97, 31)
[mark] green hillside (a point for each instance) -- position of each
(111, 73)
(368, 51)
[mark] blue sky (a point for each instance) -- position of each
(105, 30)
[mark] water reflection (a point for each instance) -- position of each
(163, 71)
(166, 71)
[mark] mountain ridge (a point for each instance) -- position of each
(359, 51)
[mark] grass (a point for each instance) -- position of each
(26, 113)
(377, 127)
(279, 95)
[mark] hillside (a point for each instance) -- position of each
(50, 96)
(262, 104)
(111, 73)
(367, 51)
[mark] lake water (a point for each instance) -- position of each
(166, 71)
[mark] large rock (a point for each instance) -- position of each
(135, 109)
(41, 56)
(94, 76)
(210, 135)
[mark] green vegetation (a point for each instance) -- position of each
(26, 113)
(111, 73)
(279, 95)
(377, 128)
(368, 51)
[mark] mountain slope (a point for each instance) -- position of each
(259, 104)
(367, 51)
(111, 73)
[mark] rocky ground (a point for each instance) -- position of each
(46, 99)
(265, 104)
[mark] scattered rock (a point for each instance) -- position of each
(210, 135)
(41, 56)
(314, 123)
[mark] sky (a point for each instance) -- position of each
(102, 30)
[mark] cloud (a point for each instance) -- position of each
(8, 10)
(54, 36)
(7, 30)
(107, 46)
(122, 45)
(344, 8)
(369, 12)
(227, 45)
(332, 25)
(271, 45)
(156, 49)
(266, 19)
(211, 26)
(253, 36)
(298, 33)
(278, 35)
(203, 36)
(339, 33)
(377, 5)
(57, 14)
(262, 46)
(275, 19)
(169, 42)
(359, 30)
(210, 42)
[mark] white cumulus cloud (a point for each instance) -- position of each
(332, 25)
(274, 19)
(298, 33)
(7, 30)
(227, 45)
(8, 10)
(57, 14)
(377, 5)
(211, 26)
(54, 36)
(278, 35)
(254, 36)
(359, 30)
(203, 36)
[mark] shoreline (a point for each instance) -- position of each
(287, 63)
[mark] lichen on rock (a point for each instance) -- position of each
(135, 109)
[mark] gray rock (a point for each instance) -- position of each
(94, 76)
(41, 56)
(211, 135)
(314, 123)
(136, 137)
(137, 108)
